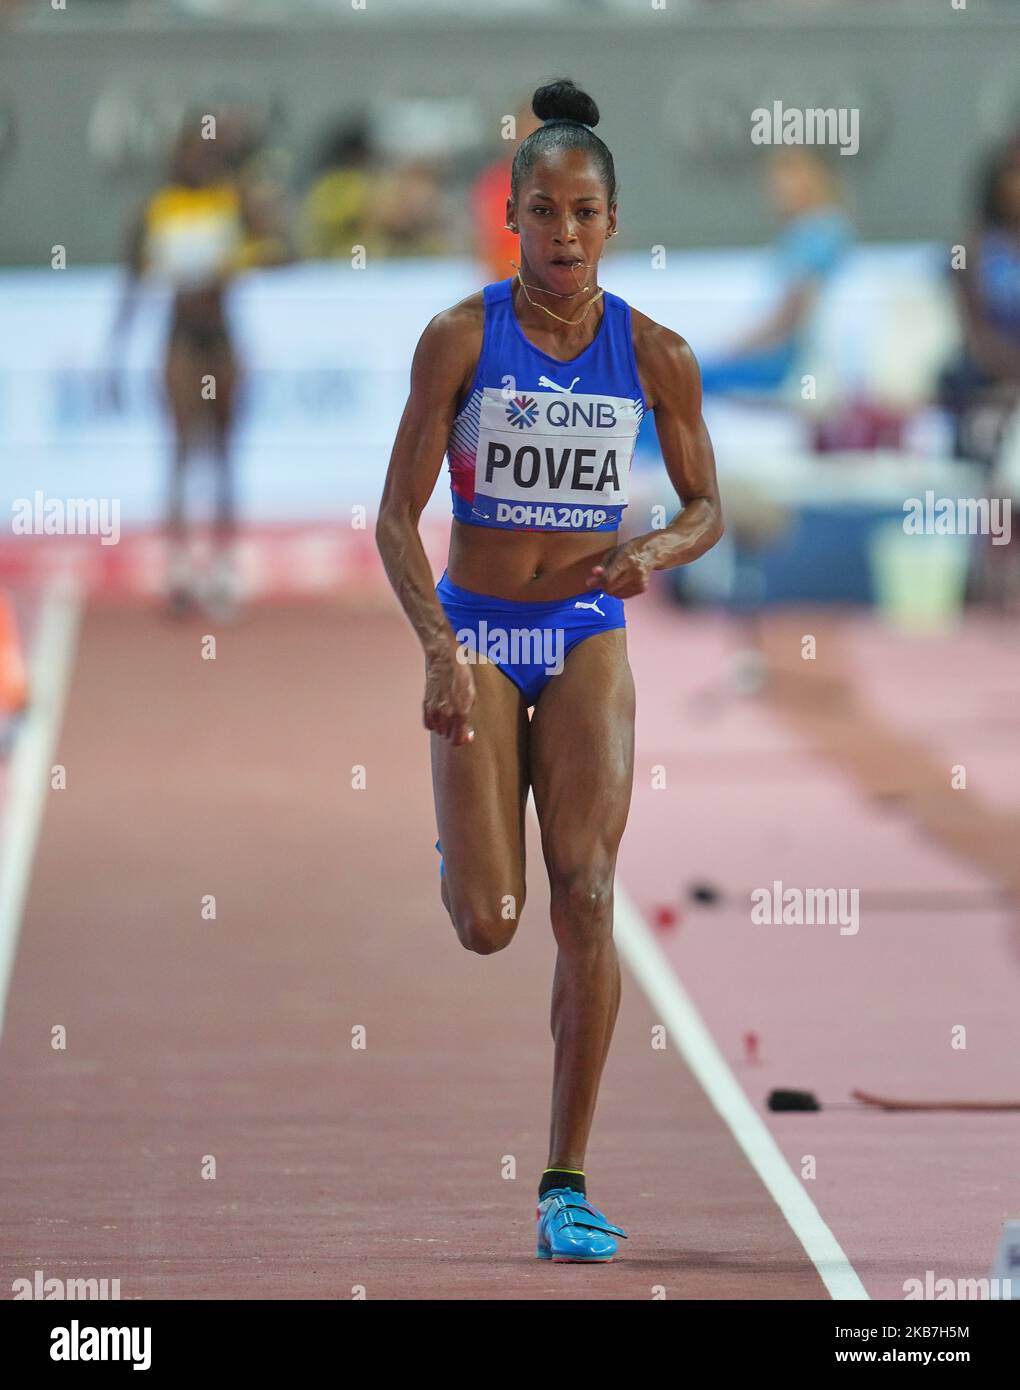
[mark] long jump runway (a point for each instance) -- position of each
(245, 1056)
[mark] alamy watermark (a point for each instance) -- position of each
(795, 907)
(811, 125)
(85, 1343)
(515, 646)
(959, 516)
(43, 1286)
(40, 515)
(932, 1287)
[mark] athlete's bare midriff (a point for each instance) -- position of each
(203, 306)
(523, 566)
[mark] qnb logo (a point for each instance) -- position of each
(522, 411)
(563, 412)
(570, 414)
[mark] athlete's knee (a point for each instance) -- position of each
(582, 903)
(490, 926)
(483, 933)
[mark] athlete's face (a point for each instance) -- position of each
(797, 182)
(197, 161)
(564, 219)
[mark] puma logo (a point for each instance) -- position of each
(594, 604)
(544, 381)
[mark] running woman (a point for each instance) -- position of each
(535, 387)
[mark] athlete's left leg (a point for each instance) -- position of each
(582, 770)
(223, 366)
(183, 396)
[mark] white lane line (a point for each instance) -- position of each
(49, 672)
(648, 963)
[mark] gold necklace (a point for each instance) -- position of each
(585, 289)
(591, 303)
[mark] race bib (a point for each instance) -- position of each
(554, 459)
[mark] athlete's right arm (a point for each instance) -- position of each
(134, 262)
(442, 365)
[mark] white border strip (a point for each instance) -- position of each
(49, 670)
(657, 977)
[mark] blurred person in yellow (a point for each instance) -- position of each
(495, 244)
(409, 212)
(209, 221)
(257, 167)
(336, 212)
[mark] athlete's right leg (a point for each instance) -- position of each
(481, 793)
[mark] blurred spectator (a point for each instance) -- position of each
(336, 212)
(258, 170)
(495, 245)
(816, 236)
(210, 219)
(410, 213)
(981, 388)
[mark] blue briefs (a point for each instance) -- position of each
(529, 642)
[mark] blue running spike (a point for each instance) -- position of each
(571, 1230)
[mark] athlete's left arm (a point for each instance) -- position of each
(672, 387)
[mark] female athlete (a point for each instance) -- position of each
(196, 233)
(535, 387)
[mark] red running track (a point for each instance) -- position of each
(228, 1042)
(192, 1042)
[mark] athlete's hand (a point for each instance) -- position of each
(449, 696)
(623, 572)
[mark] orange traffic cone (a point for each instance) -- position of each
(13, 678)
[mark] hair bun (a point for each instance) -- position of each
(562, 98)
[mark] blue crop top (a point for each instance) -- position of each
(545, 445)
